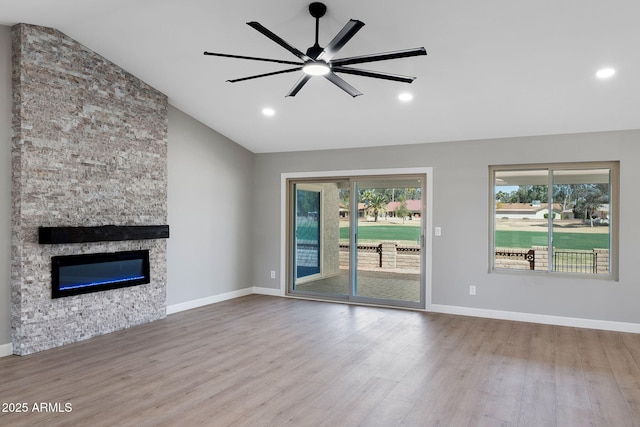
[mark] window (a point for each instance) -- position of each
(555, 218)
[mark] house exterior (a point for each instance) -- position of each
(413, 206)
(527, 210)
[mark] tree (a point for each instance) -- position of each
(402, 210)
(529, 193)
(501, 196)
(344, 200)
(564, 192)
(376, 205)
(413, 193)
(524, 194)
(589, 197)
(390, 193)
(366, 195)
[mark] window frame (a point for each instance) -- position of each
(614, 209)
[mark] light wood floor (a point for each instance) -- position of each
(267, 361)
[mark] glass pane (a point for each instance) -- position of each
(581, 227)
(521, 226)
(320, 262)
(389, 239)
(307, 233)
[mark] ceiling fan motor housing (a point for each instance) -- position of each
(314, 51)
(317, 9)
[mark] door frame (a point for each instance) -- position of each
(428, 209)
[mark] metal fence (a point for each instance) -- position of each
(575, 261)
(518, 254)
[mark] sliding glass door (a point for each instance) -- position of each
(388, 239)
(357, 238)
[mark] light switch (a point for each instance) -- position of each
(437, 231)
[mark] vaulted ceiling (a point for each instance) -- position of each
(494, 69)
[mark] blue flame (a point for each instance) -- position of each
(103, 282)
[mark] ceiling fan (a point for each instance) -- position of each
(318, 61)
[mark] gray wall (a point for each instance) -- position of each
(460, 207)
(210, 212)
(5, 184)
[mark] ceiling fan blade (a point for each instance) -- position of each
(380, 56)
(374, 74)
(253, 58)
(333, 78)
(290, 70)
(261, 28)
(347, 32)
(301, 82)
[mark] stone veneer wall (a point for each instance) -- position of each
(89, 148)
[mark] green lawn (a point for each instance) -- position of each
(526, 239)
(384, 232)
(504, 239)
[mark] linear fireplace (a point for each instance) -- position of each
(80, 274)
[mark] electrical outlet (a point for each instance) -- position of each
(472, 290)
(273, 274)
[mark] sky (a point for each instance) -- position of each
(506, 189)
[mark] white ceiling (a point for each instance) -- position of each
(496, 68)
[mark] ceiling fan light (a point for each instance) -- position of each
(316, 68)
(605, 73)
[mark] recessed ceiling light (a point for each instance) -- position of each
(268, 112)
(405, 96)
(605, 73)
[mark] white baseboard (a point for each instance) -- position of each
(605, 325)
(188, 305)
(267, 291)
(6, 350)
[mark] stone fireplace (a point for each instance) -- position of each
(89, 149)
